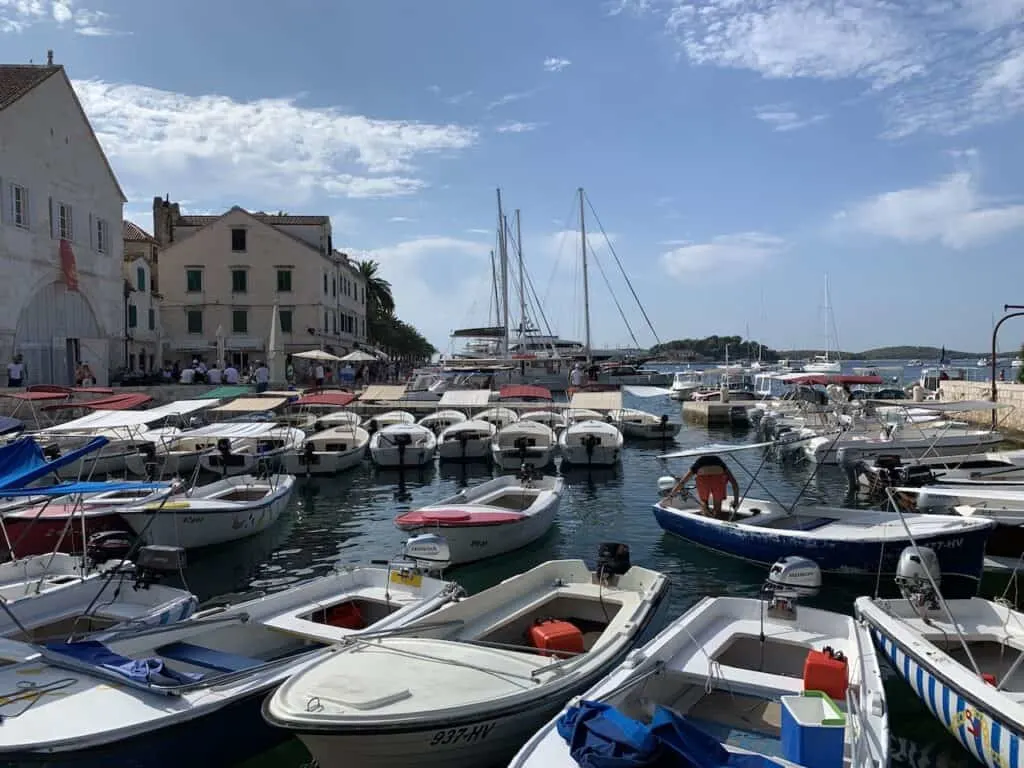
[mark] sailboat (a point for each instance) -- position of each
(824, 363)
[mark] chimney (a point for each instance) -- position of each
(49, 58)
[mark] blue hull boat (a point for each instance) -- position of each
(839, 540)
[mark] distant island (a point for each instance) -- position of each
(714, 348)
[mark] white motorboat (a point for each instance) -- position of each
(685, 384)
(339, 418)
(499, 416)
(59, 595)
(328, 452)
(403, 445)
(641, 425)
(439, 421)
(495, 517)
(524, 443)
(733, 674)
(553, 419)
(962, 658)
(992, 466)
(934, 439)
(573, 415)
(261, 449)
(158, 697)
(226, 510)
(466, 441)
(178, 454)
(472, 688)
(591, 444)
(388, 419)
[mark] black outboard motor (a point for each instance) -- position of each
(51, 451)
(372, 427)
(612, 560)
(155, 560)
(663, 424)
(224, 448)
(463, 438)
(108, 545)
(590, 442)
(402, 441)
(148, 451)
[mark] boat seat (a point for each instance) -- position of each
(198, 656)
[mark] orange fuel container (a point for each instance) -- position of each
(559, 638)
(346, 616)
(826, 672)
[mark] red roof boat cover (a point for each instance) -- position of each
(524, 392)
(824, 379)
(455, 518)
(115, 403)
(48, 388)
(337, 399)
(36, 396)
(95, 391)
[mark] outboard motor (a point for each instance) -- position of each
(663, 424)
(402, 441)
(612, 561)
(372, 427)
(590, 442)
(428, 552)
(51, 451)
(148, 451)
(463, 437)
(108, 545)
(308, 456)
(918, 577)
(224, 449)
(788, 580)
(522, 446)
(155, 560)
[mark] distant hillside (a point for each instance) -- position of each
(925, 354)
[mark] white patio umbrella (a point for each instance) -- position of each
(317, 354)
(275, 355)
(358, 356)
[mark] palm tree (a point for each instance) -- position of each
(379, 301)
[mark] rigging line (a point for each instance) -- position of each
(571, 216)
(629, 283)
(593, 254)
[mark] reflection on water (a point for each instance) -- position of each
(348, 519)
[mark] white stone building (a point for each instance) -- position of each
(61, 287)
(227, 272)
(142, 346)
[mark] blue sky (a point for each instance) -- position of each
(736, 151)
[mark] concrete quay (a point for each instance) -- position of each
(714, 414)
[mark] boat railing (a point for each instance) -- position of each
(865, 751)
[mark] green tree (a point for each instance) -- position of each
(379, 301)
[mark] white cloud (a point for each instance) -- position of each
(509, 98)
(745, 250)
(951, 211)
(19, 15)
(458, 98)
(941, 67)
(401, 219)
(782, 117)
(220, 149)
(615, 7)
(555, 64)
(517, 127)
(478, 231)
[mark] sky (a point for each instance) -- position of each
(736, 155)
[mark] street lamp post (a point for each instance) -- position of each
(992, 360)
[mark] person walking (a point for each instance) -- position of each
(15, 372)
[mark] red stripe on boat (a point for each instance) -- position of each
(455, 518)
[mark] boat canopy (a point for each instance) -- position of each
(493, 332)
(714, 448)
(950, 406)
(334, 399)
(125, 402)
(524, 392)
(22, 461)
(596, 401)
(638, 390)
(9, 424)
(251, 405)
(37, 397)
(464, 398)
(825, 379)
(234, 429)
(83, 487)
(226, 392)
(383, 392)
(122, 419)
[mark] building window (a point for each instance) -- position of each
(239, 281)
(334, 287)
(327, 325)
(240, 321)
(19, 206)
(133, 316)
(194, 318)
(237, 239)
(64, 221)
(286, 320)
(140, 278)
(334, 320)
(194, 280)
(152, 319)
(325, 283)
(101, 238)
(284, 280)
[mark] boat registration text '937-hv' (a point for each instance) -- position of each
(467, 735)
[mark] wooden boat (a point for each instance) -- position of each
(591, 444)
(495, 517)
(403, 445)
(328, 452)
(466, 441)
(470, 689)
(226, 510)
(724, 674)
(201, 679)
(522, 443)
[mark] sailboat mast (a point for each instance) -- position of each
(522, 279)
(828, 309)
(586, 285)
(503, 252)
(494, 284)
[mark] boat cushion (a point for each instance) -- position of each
(456, 517)
(95, 653)
(198, 656)
(599, 736)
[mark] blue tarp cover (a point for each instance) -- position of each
(9, 424)
(138, 670)
(599, 736)
(22, 461)
(64, 489)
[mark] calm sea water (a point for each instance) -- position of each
(348, 519)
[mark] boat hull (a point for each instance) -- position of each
(321, 462)
(599, 455)
(961, 553)
(412, 456)
(49, 533)
(167, 464)
(95, 464)
(469, 450)
(512, 458)
(950, 445)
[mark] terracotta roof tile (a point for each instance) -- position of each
(18, 79)
(133, 232)
(202, 221)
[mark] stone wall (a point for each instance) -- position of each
(1010, 419)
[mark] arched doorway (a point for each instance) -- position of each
(56, 329)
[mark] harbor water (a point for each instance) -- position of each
(348, 519)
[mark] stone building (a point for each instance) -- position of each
(142, 347)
